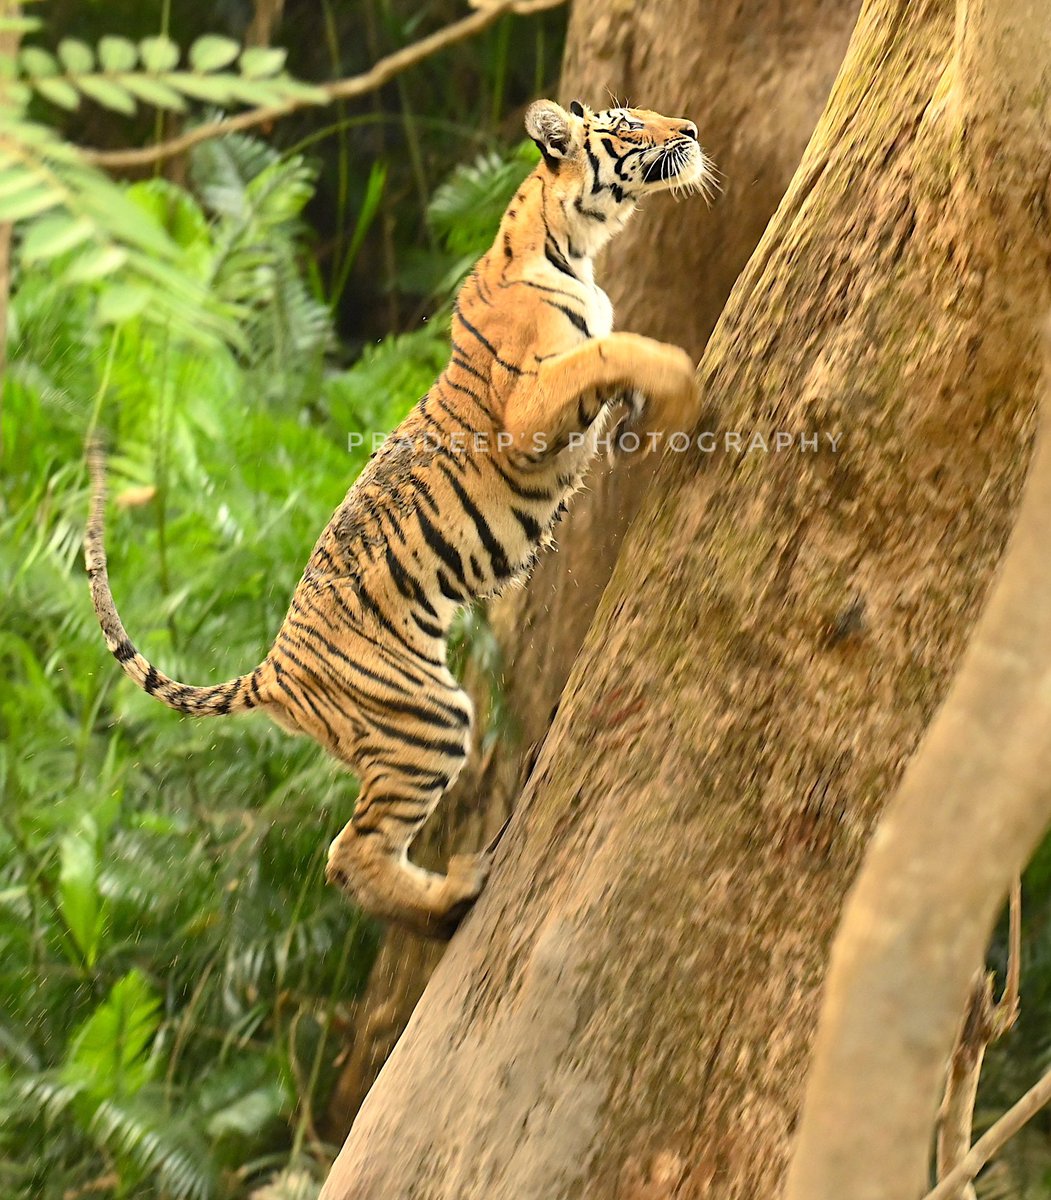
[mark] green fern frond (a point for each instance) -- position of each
(466, 209)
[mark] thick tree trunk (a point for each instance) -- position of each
(974, 801)
(971, 810)
(628, 1011)
(755, 77)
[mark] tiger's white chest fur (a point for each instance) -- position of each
(596, 306)
(599, 312)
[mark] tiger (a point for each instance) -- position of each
(457, 504)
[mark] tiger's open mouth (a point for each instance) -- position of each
(680, 166)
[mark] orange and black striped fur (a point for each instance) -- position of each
(457, 503)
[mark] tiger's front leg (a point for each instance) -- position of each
(565, 394)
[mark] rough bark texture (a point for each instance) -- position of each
(971, 810)
(755, 77)
(974, 801)
(628, 1011)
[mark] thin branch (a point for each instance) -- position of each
(991, 1142)
(340, 89)
(983, 1024)
(1006, 1012)
(956, 1119)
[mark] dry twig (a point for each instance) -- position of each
(991, 1142)
(983, 1023)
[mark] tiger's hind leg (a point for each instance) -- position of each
(401, 784)
(379, 877)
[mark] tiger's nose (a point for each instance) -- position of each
(689, 129)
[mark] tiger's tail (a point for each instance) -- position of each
(236, 695)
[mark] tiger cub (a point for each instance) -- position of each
(457, 503)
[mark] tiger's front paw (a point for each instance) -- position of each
(685, 394)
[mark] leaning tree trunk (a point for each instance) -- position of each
(755, 79)
(628, 1012)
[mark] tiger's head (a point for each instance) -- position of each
(611, 159)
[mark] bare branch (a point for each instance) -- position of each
(956, 1119)
(1006, 1012)
(983, 1023)
(992, 1142)
(340, 89)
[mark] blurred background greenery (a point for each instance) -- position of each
(173, 970)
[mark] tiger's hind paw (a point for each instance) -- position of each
(465, 878)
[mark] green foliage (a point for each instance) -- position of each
(68, 210)
(118, 74)
(468, 206)
(173, 969)
(462, 215)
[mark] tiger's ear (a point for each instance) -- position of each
(577, 108)
(553, 130)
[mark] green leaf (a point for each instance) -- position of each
(121, 302)
(77, 57)
(262, 62)
(29, 203)
(107, 93)
(96, 264)
(159, 54)
(249, 1115)
(36, 61)
(16, 177)
(59, 92)
(256, 93)
(117, 54)
(78, 887)
(55, 234)
(109, 1053)
(213, 89)
(114, 210)
(155, 92)
(14, 95)
(212, 53)
(310, 93)
(20, 24)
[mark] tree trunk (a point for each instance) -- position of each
(628, 1011)
(974, 801)
(970, 812)
(768, 69)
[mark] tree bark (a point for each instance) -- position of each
(755, 78)
(628, 1011)
(971, 810)
(974, 801)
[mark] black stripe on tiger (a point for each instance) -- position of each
(446, 552)
(574, 318)
(501, 569)
(477, 333)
